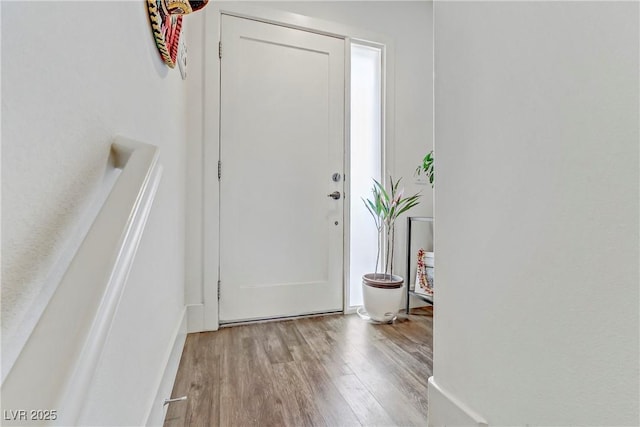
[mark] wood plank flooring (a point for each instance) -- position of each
(322, 371)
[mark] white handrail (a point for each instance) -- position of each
(55, 367)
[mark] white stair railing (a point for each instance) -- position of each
(54, 369)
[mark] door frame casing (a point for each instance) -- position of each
(205, 316)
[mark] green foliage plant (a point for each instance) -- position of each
(426, 167)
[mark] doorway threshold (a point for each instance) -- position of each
(278, 319)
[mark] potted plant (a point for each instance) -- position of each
(382, 290)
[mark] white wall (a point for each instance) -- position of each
(407, 24)
(536, 134)
(74, 74)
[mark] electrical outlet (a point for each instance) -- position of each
(182, 57)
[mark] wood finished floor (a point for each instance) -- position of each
(323, 371)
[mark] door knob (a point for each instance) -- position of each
(335, 195)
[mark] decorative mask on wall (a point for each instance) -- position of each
(182, 7)
(166, 24)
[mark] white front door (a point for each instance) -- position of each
(281, 141)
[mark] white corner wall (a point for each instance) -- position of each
(74, 75)
(537, 148)
(406, 23)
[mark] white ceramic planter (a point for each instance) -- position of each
(382, 298)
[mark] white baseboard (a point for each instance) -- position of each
(446, 410)
(157, 412)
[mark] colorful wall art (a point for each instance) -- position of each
(166, 24)
(424, 273)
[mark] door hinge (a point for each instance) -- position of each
(219, 170)
(218, 290)
(220, 50)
